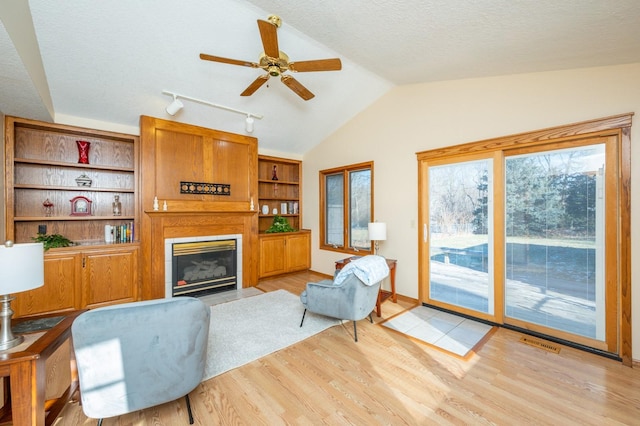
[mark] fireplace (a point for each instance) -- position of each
(197, 266)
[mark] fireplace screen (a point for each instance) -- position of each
(204, 267)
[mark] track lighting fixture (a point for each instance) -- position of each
(249, 124)
(177, 105)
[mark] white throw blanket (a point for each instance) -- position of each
(369, 269)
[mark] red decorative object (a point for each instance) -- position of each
(48, 208)
(83, 151)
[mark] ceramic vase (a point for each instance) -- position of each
(83, 151)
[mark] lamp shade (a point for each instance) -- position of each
(377, 231)
(21, 267)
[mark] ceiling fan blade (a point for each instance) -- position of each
(206, 57)
(255, 85)
(298, 88)
(316, 65)
(269, 36)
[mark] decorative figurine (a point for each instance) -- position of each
(48, 208)
(274, 173)
(164, 205)
(155, 204)
(116, 205)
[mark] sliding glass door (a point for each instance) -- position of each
(528, 237)
(555, 239)
(460, 236)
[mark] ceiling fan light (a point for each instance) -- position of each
(274, 71)
(249, 124)
(175, 106)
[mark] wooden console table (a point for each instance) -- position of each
(382, 294)
(25, 366)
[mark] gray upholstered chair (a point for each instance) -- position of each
(137, 355)
(352, 294)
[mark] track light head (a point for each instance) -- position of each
(174, 106)
(249, 124)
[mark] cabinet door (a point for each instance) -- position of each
(59, 292)
(109, 277)
(298, 252)
(272, 259)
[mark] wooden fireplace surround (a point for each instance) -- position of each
(175, 152)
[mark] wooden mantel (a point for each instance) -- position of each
(174, 152)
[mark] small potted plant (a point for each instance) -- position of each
(53, 241)
(280, 224)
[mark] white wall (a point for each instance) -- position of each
(415, 118)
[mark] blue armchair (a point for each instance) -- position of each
(352, 294)
(137, 355)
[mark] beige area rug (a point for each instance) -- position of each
(456, 335)
(246, 329)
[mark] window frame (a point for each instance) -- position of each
(345, 171)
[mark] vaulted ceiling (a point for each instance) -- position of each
(107, 63)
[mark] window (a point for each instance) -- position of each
(346, 207)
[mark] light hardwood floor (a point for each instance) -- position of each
(387, 379)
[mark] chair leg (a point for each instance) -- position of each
(186, 397)
(370, 319)
(355, 331)
(99, 422)
(303, 314)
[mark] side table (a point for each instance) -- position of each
(25, 365)
(383, 294)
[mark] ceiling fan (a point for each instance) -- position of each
(276, 63)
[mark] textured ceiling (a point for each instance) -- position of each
(107, 62)
(418, 41)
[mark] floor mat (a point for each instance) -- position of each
(451, 333)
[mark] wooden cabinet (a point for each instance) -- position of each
(109, 276)
(80, 279)
(61, 291)
(49, 183)
(284, 252)
(66, 179)
(279, 188)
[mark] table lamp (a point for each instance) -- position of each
(21, 269)
(377, 233)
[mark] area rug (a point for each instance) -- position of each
(246, 329)
(450, 333)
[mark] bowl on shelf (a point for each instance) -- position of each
(83, 180)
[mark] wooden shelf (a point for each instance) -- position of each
(276, 199)
(42, 164)
(279, 214)
(278, 182)
(72, 218)
(273, 193)
(73, 188)
(72, 165)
